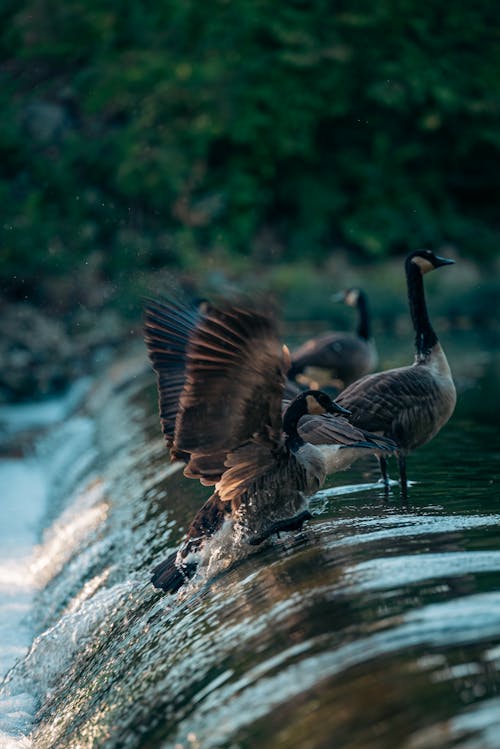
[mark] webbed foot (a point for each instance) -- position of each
(288, 524)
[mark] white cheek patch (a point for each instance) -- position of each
(424, 265)
(351, 298)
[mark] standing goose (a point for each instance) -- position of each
(408, 404)
(221, 374)
(345, 357)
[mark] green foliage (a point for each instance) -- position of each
(155, 132)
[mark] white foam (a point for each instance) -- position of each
(39, 414)
(26, 483)
(23, 502)
(24, 491)
(87, 512)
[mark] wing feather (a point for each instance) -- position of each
(221, 373)
(246, 466)
(234, 381)
(398, 403)
(326, 429)
(168, 326)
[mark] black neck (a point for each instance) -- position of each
(293, 413)
(425, 337)
(364, 318)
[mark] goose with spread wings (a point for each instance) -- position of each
(221, 373)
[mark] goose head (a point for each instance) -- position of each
(426, 260)
(350, 297)
(309, 402)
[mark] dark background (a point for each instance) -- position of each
(268, 144)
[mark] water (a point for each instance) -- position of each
(377, 626)
(26, 482)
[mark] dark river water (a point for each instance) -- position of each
(377, 626)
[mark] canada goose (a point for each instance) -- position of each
(409, 404)
(221, 374)
(344, 356)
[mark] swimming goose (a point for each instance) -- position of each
(221, 374)
(344, 356)
(409, 404)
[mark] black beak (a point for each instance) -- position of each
(439, 261)
(340, 409)
(338, 297)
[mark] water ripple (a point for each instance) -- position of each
(393, 572)
(399, 526)
(234, 705)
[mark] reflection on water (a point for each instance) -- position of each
(376, 626)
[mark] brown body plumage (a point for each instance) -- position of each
(221, 375)
(340, 356)
(409, 404)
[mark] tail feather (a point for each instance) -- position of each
(169, 577)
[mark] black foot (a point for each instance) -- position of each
(402, 477)
(290, 524)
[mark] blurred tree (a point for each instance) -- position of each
(154, 131)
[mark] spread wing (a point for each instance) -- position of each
(168, 326)
(254, 464)
(221, 372)
(235, 370)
